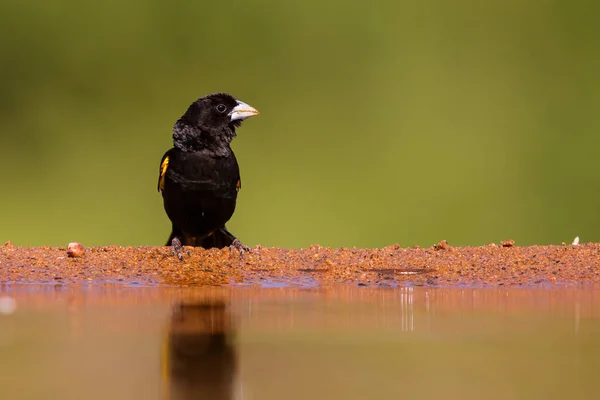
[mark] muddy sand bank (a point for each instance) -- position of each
(439, 265)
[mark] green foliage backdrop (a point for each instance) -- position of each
(381, 122)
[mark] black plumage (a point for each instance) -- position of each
(199, 178)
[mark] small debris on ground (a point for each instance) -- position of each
(75, 249)
(443, 245)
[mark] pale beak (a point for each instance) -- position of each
(242, 111)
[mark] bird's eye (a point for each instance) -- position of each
(221, 108)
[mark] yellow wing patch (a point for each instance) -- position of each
(163, 171)
(238, 185)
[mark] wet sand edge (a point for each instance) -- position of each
(440, 265)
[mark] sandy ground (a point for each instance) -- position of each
(441, 265)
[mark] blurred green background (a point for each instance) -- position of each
(382, 122)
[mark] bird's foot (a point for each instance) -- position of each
(239, 246)
(177, 249)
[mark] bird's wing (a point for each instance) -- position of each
(162, 171)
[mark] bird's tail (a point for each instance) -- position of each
(218, 239)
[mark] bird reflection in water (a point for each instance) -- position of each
(199, 356)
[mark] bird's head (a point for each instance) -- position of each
(210, 122)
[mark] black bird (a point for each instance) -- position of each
(199, 177)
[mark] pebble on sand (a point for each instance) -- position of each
(75, 249)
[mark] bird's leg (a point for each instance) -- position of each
(177, 248)
(239, 246)
(236, 244)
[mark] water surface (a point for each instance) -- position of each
(121, 342)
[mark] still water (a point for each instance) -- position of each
(123, 342)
